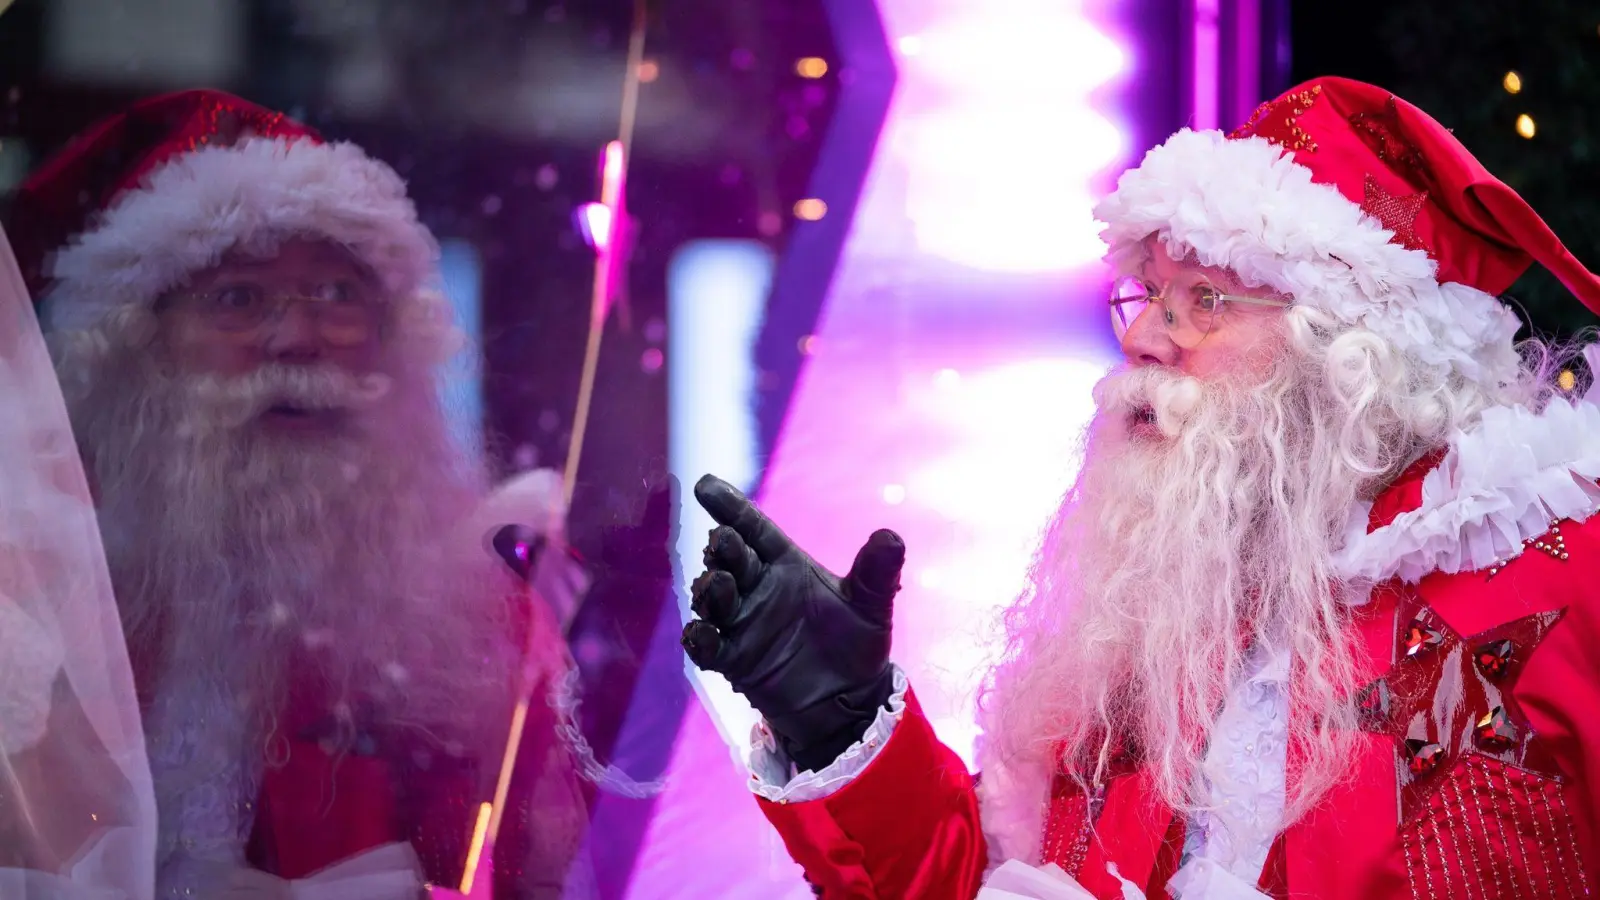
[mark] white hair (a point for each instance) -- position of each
(242, 554)
(1169, 559)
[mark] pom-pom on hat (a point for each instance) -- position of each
(133, 206)
(1355, 202)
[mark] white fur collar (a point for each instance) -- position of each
(1500, 484)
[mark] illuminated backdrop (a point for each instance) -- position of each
(944, 387)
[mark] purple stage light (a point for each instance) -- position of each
(944, 390)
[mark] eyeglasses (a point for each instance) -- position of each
(1191, 312)
(342, 312)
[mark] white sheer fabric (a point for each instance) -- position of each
(77, 811)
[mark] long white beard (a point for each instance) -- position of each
(259, 559)
(1169, 558)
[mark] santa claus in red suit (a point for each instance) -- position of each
(1316, 619)
(245, 326)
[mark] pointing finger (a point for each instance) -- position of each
(732, 508)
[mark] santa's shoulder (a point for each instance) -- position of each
(1517, 482)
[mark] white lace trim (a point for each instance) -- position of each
(1499, 485)
(1244, 772)
(772, 775)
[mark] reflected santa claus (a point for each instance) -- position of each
(245, 327)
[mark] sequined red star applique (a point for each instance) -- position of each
(1397, 214)
(1448, 697)
(1278, 121)
(1381, 131)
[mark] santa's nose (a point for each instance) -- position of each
(294, 336)
(1147, 341)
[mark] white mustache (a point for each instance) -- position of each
(1172, 397)
(231, 402)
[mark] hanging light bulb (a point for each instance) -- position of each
(1512, 83)
(1525, 126)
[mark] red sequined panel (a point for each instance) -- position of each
(1067, 826)
(1494, 831)
(1481, 808)
(1450, 697)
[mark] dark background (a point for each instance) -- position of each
(1450, 58)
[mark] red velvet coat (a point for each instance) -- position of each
(315, 810)
(1478, 774)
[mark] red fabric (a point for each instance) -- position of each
(1130, 833)
(60, 199)
(1410, 172)
(319, 810)
(315, 812)
(1274, 873)
(1488, 830)
(906, 827)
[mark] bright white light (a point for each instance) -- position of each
(894, 494)
(1034, 54)
(947, 378)
(910, 45)
(594, 219)
(716, 298)
(1001, 140)
(960, 734)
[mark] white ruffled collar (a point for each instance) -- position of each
(1501, 484)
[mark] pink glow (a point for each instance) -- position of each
(960, 439)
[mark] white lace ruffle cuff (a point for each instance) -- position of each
(772, 775)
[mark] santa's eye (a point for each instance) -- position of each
(236, 297)
(1207, 299)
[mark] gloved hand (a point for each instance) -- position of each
(808, 649)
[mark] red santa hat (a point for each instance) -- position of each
(1357, 203)
(139, 202)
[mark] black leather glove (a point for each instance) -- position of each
(808, 649)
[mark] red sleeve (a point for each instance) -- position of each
(906, 828)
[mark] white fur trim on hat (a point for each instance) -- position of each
(1246, 205)
(190, 211)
